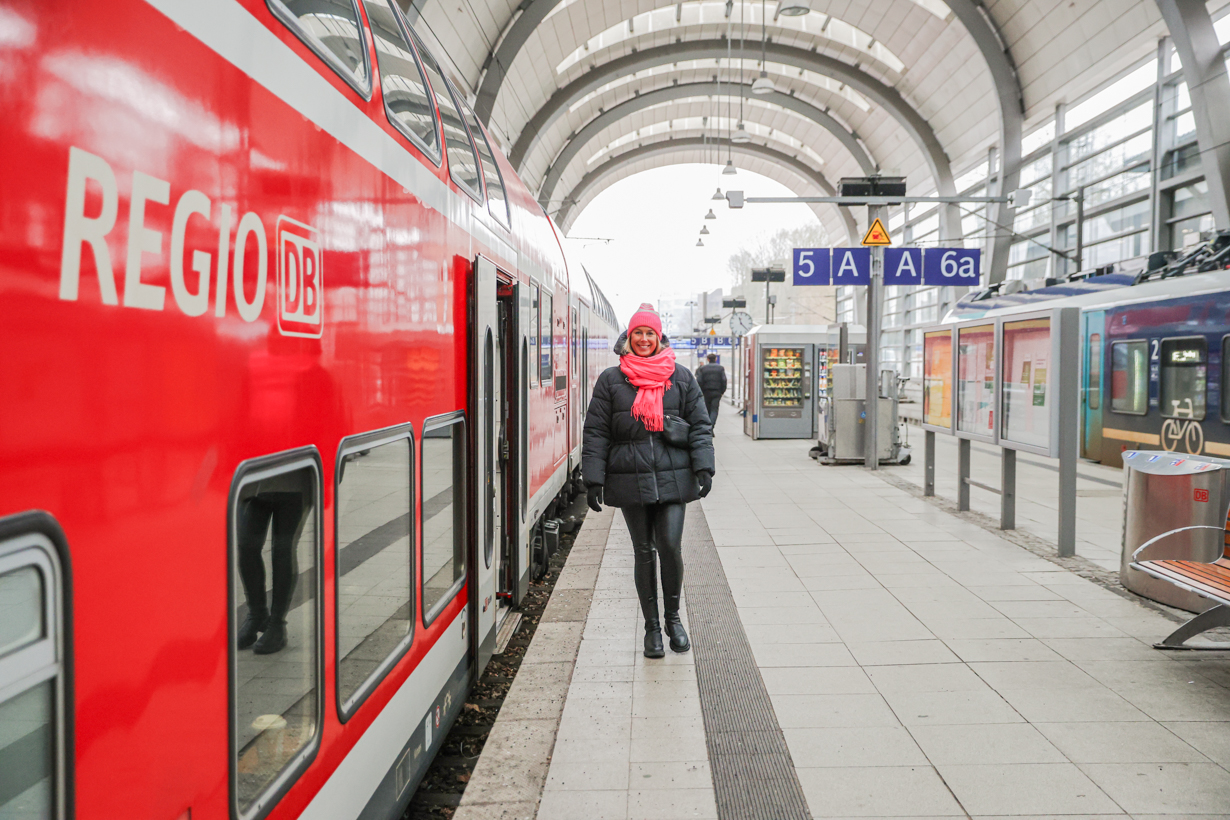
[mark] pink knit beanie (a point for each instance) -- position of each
(646, 316)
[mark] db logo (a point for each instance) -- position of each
(1201, 495)
(300, 280)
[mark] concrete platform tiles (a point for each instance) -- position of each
(917, 665)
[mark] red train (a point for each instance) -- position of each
(295, 367)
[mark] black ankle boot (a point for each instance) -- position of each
(252, 626)
(274, 638)
(678, 635)
(653, 640)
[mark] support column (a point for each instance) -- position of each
(1191, 28)
(929, 463)
(1007, 489)
(963, 450)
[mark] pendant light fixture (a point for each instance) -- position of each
(718, 196)
(741, 135)
(729, 170)
(763, 84)
(793, 8)
(711, 214)
(704, 230)
(700, 243)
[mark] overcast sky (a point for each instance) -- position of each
(654, 219)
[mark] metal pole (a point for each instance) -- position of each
(1069, 410)
(1080, 228)
(871, 432)
(1007, 489)
(929, 463)
(963, 474)
(766, 301)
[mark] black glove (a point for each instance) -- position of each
(706, 482)
(594, 497)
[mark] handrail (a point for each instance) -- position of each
(1157, 538)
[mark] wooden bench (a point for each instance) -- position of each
(1210, 581)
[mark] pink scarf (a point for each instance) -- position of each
(650, 374)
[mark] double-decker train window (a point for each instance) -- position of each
(1225, 379)
(462, 160)
(546, 333)
(1094, 383)
(1129, 377)
(33, 724)
(332, 29)
(275, 637)
(443, 512)
(497, 200)
(406, 101)
(535, 322)
(1184, 378)
(375, 560)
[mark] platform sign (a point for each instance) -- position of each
(937, 380)
(812, 266)
(851, 266)
(952, 266)
(903, 266)
(976, 389)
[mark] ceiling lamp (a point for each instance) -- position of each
(729, 170)
(763, 84)
(718, 196)
(793, 8)
(704, 230)
(700, 243)
(711, 214)
(740, 136)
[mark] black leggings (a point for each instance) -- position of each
(657, 528)
(287, 513)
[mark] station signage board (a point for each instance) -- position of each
(902, 266)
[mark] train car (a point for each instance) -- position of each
(293, 361)
(1154, 352)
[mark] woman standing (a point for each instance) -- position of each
(648, 450)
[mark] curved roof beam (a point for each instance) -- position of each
(595, 177)
(881, 94)
(677, 92)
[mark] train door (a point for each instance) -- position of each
(485, 394)
(513, 546)
(1093, 335)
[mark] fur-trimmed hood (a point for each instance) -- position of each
(621, 344)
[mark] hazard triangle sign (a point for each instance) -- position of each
(876, 235)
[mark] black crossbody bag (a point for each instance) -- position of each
(675, 430)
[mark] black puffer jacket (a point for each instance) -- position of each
(634, 465)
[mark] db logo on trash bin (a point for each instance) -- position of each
(300, 280)
(1201, 495)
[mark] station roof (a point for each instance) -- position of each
(582, 93)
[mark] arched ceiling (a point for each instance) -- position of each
(928, 86)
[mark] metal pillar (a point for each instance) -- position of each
(871, 453)
(1068, 432)
(929, 463)
(1007, 489)
(1204, 68)
(963, 450)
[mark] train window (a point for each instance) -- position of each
(1225, 380)
(1129, 377)
(1094, 387)
(462, 161)
(33, 723)
(1184, 378)
(406, 101)
(275, 639)
(375, 560)
(535, 322)
(575, 351)
(546, 333)
(443, 513)
(497, 200)
(332, 29)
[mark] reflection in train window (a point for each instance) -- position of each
(1225, 379)
(332, 29)
(275, 555)
(1129, 377)
(546, 332)
(375, 561)
(401, 80)
(443, 512)
(535, 321)
(1095, 371)
(1184, 378)
(32, 716)
(462, 161)
(497, 201)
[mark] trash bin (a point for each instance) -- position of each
(1163, 492)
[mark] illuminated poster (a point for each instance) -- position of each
(976, 380)
(1026, 412)
(937, 378)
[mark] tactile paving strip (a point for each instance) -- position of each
(753, 775)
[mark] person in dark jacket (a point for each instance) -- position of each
(627, 462)
(712, 380)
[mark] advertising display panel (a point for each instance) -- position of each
(1028, 415)
(976, 382)
(937, 380)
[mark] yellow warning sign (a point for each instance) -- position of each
(876, 235)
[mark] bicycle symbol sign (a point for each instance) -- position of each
(1182, 434)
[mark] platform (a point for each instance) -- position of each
(858, 651)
